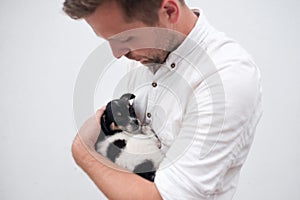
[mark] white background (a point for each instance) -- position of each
(42, 51)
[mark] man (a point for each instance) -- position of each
(198, 89)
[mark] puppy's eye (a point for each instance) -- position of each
(119, 114)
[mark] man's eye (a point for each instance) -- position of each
(125, 39)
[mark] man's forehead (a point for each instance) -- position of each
(105, 19)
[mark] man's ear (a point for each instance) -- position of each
(169, 10)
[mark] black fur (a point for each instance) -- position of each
(120, 143)
(145, 170)
(114, 149)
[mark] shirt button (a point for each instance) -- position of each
(173, 65)
(154, 84)
(149, 115)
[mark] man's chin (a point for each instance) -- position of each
(150, 64)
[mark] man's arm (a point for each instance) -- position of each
(113, 182)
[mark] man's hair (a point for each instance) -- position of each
(143, 10)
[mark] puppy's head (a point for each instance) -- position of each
(119, 115)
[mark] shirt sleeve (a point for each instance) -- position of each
(215, 136)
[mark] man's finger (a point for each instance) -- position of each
(99, 113)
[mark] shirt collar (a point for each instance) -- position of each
(194, 39)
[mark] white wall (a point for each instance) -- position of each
(42, 51)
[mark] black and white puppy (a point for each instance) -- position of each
(125, 141)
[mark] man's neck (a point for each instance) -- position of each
(187, 21)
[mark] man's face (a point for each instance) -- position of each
(135, 40)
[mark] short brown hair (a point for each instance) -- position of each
(144, 10)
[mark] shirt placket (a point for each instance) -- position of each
(154, 91)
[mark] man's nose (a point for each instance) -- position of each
(118, 50)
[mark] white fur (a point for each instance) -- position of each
(139, 147)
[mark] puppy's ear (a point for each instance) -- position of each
(127, 96)
(104, 126)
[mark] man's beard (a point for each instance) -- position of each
(159, 58)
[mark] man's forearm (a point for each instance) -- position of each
(114, 183)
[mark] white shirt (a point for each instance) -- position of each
(204, 103)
